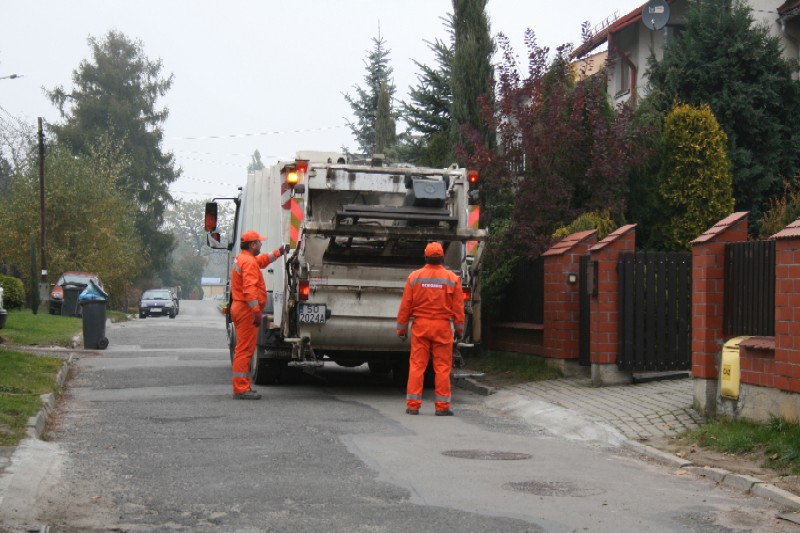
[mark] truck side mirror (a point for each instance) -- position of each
(211, 217)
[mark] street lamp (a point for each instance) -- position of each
(11, 77)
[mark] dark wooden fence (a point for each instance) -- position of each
(525, 301)
(655, 311)
(749, 288)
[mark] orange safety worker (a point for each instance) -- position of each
(249, 295)
(433, 298)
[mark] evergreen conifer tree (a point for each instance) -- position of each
(365, 102)
(472, 75)
(723, 59)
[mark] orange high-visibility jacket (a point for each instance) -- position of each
(247, 283)
(432, 292)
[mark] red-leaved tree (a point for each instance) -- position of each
(563, 150)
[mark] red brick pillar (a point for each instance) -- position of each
(604, 345)
(708, 299)
(787, 308)
(562, 299)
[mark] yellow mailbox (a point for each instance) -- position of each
(730, 371)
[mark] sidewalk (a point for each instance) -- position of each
(641, 411)
(627, 416)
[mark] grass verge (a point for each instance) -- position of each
(23, 377)
(507, 366)
(777, 441)
(24, 328)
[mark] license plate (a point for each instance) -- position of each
(312, 313)
(155, 310)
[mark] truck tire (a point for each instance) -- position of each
(400, 372)
(232, 341)
(265, 371)
(379, 368)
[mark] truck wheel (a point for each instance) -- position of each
(400, 373)
(232, 342)
(265, 371)
(379, 368)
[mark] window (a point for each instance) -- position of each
(624, 78)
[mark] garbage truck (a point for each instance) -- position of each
(357, 229)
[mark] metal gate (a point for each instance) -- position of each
(655, 311)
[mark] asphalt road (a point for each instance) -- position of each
(148, 438)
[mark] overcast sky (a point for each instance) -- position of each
(253, 75)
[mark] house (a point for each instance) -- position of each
(629, 41)
(213, 288)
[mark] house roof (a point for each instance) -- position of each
(789, 9)
(622, 22)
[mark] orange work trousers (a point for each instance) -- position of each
(246, 336)
(430, 337)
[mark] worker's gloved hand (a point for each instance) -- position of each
(286, 248)
(256, 317)
(403, 336)
(458, 337)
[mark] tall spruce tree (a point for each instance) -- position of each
(472, 75)
(115, 93)
(365, 102)
(723, 59)
(385, 129)
(427, 114)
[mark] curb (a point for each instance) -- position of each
(473, 386)
(738, 482)
(36, 424)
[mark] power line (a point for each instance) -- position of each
(224, 155)
(260, 134)
(209, 182)
(223, 163)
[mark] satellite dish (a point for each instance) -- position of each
(655, 14)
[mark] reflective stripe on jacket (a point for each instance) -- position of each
(247, 283)
(432, 292)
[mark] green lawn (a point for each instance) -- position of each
(23, 377)
(512, 366)
(23, 328)
(778, 442)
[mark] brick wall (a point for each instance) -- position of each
(561, 297)
(787, 308)
(757, 361)
(604, 344)
(708, 292)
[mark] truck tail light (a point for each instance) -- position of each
(297, 172)
(304, 290)
(467, 293)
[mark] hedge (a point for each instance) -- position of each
(13, 292)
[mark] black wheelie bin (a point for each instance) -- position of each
(93, 302)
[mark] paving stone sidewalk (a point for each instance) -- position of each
(639, 411)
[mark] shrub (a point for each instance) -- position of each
(13, 292)
(599, 220)
(783, 210)
(695, 181)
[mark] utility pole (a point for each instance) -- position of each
(43, 292)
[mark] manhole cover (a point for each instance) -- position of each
(553, 488)
(487, 455)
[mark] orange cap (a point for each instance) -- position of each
(434, 249)
(252, 235)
